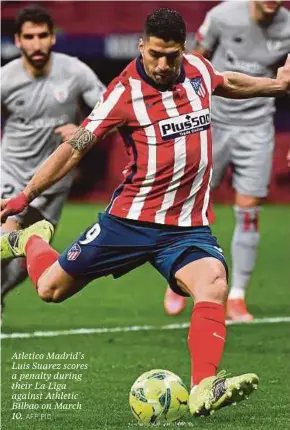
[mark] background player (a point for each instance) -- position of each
(251, 37)
(161, 104)
(41, 93)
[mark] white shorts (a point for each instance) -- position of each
(250, 152)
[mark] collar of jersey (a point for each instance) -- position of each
(145, 77)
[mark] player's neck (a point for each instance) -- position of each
(258, 16)
(34, 72)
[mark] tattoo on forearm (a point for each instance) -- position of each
(33, 194)
(81, 139)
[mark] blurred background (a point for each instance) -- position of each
(104, 34)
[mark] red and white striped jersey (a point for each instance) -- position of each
(168, 138)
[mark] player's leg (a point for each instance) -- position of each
(52, 283)
(194, 265)
(253, 161)
(205, 281)
(94, 254)
(49, 207)
(244, 248)
(12, 272)
(174, 304)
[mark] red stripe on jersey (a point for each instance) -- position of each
(190, 174)
(143, 139)
(136, 175)
(193, 144)
(164, 159)
(122, 197)
(192, 152)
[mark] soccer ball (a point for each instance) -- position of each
(158, 396)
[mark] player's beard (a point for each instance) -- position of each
(37, 63)
(269, 8)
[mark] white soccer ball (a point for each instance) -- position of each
(158, 396)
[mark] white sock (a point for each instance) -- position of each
(244, 249)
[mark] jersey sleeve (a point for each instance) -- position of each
(91, 86)
(3, 85)
(109, 112)
(209, 32)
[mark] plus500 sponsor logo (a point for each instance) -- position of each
(185, 124)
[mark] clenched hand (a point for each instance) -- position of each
(66, 131)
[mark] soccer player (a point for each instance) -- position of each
(40, 92)
(251, 37)
(161, 104)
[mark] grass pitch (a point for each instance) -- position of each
(115, 360)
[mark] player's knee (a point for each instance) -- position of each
(220, 290)
(219, 285)
(247, 202)
(216, 292)
(50, 293)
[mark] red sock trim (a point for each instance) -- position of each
(39, 256)
(206, 339)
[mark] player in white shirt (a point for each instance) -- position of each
(41, 93)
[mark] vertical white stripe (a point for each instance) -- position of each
(185, 215)
(199, 64)
(144, 120)
(179, 161)
(206, 202)
(192, 96)
(102, 110)
(169, 104)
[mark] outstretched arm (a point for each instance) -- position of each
(64, 159)
(241, 86)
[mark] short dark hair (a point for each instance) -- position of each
(166, 24)
(33, 13)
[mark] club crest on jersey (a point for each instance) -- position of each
(183, 125)
(74, 252)
(198, 87)
(60, 94)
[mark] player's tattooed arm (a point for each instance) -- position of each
(33, 194)
(82, 139)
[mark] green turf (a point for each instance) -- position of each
(116, 359)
